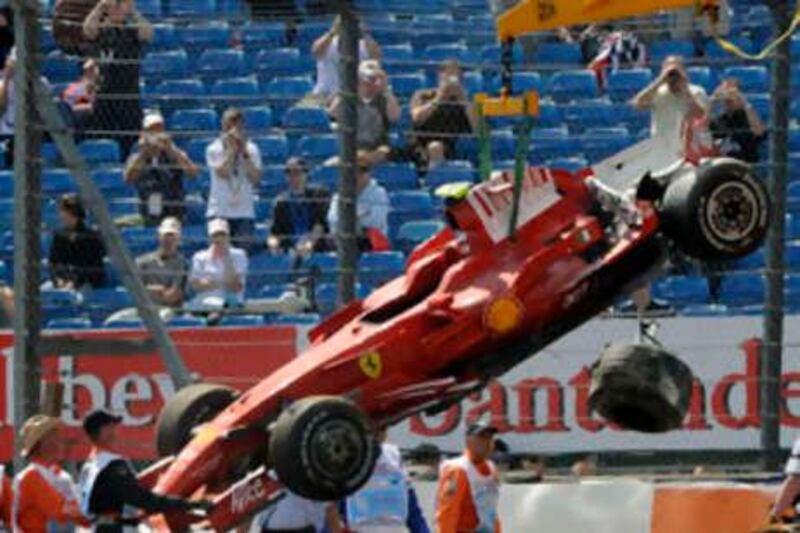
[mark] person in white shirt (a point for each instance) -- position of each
(234, 162)
(293, 513)
(372, 208)
(326, 51)
(218, 273)
(673, 102)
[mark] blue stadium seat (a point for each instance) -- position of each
(318, 148)
(163, 37)
(194, 236)
(752, 79)
(411, 234)
(242, 321)
(560, 54)
(704, 77)
(162, 65)
(273, 148)
(311, 119)
(100, 152)
(268, 269)
(407, 206)
(791, 255)
(100, 303)
(285, 91)
(325, 176)
(301, 319)
(448, 173)
(549, 116)
(623, 85)
(565, 86)
(491, 55)
(626, 115)
(376, 268)
(752, 263)
(550, 143)
(681, 290)
(473, 82)
(205, 35)
(57, 181)
(58, 67)
(405, 85)
(309, 31)
(6, 184)
(600, 143)
(396, 176)
(69, 323)
(504, 144)
(123, 323)
(139, 239)
(273, 181)
(587, 114)
(326, 295)
(282, 62)
(276, 291)
(705, 310)
(323, 266)
(570, 164)
(235, 92)
(123, 207)
(443, 52)
(194, 120)
(170, 95)
(742, 289)
(193, 8)
(713, 50)
(152, 9)
(257, 35)
(257, 118)
(521, 82)
(398, 55)
(196, 150)
(186, 321)
(658, 51)
(219, 63)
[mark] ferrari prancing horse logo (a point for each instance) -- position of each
(371, 364)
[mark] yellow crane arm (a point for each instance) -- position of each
(530, 16)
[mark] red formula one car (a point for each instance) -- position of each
(474, 301)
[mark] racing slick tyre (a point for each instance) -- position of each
(323, 448)
(641, 387)
(190, 407)
(719, 212)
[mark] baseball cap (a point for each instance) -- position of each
(368, 69)
(480, 428)
(218, 225)
(34, 430)
(97, 420)
(169, 225)
(152, 118)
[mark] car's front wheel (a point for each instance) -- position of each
(641, 387)
(323, 448)
(719, 211)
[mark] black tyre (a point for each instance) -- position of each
(322, 448)
(191, 406)
(718, 212)
(641, 387)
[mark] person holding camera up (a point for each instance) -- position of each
(157, 169)
(675, 103)
(440, 115)
(235, 165)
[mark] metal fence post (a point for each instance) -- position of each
(27, 217)
(347, 242)
(772, 349)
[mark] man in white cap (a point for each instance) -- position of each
(378, 109)
(219, 272)
(164, 270)
(45, 496)
(157, 170)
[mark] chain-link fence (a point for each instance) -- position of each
(198, 111)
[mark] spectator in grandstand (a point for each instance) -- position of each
(80, 95)
(372, 209)
(235, 165)
(299, 221)
(586, 36)
(737, 128)
(6, 31)
(616, 50)
(378, 109)
(440, 115)
(584, 467)
(326, 51)
(6, 306)
(534, 465)
(164, 271)
(7, 104)
(157, 170)
(674, 103)
(77, 252)
(219, 272)
(119, 32)
(45, 495)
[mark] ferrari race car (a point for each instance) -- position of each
(478, 298)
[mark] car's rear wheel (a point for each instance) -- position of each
(323, 448)
(641, 387)
(192, 406)
(718, 212)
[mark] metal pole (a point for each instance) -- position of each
(118, 252)
(27, 218)
(772, 350)
(348, 122)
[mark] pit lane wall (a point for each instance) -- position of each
(540, 405)
(626, 506)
